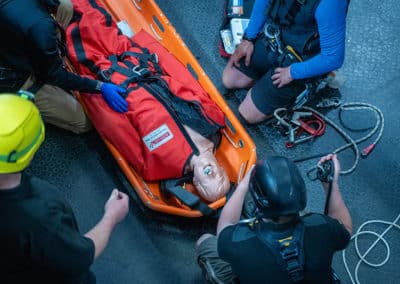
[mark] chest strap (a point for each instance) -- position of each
(288, 251)
(291, 13)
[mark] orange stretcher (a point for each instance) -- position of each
(236, 152)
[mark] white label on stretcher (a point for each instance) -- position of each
(158, 137)
(125, 28)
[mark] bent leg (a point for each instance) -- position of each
(265, 97)
(249, 111)
(232, 78)
(60, 108)
(244, 76)
(214, 269)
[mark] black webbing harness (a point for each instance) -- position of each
(176, 188)
(288, 251)
(290, 15)
(133, 73)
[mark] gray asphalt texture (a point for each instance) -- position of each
(148, 247)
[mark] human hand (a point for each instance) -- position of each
(244, 49)
(281, 76)
(336, 165)
(117, 206)
(244, 183)
(112, 95)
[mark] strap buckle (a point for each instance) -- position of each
(290, 251)
(154, 58)
(330, 102)
(105, 75)
(140, 71)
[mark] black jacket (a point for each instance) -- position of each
(29, 45)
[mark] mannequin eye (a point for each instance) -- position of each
(207, 170)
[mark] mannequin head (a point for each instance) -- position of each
(209, 178)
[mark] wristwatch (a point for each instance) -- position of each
(253, 40)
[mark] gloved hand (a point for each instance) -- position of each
(112, 94)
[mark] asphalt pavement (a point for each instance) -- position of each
(148, 247)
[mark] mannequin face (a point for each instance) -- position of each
(210, 180)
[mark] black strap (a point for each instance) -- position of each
(107, 16)
(273, 12)
(293, 10)
(288, 251)
(134, 73)
(144, 58)
(174, 187)
(36, 86)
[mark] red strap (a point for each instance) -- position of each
(314, 126)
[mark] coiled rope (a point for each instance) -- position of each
(363, 256)
(378, 128)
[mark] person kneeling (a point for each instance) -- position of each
(279, 245)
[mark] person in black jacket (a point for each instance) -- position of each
(31, 59)
(279, 245)
(39, 237)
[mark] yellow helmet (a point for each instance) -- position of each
(21, 132)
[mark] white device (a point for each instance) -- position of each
(238, 26)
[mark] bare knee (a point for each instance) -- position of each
(250, 113)
(232, 78)
(227, 78)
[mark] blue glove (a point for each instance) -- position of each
(112, 94)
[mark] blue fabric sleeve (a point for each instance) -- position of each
(257, 18)
(331, 20)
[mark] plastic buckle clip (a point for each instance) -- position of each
(154, 58)
(288, 253)
(140, 71)
(105, 75)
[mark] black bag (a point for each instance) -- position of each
(236, 14)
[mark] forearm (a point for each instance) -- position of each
(233, 209)
(69, 81)
(100, 234)
(316, 66)
(338, 209)
(331, 21)
(257, 18)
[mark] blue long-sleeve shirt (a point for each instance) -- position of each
(330, 16)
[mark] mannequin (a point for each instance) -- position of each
(171, 122)
(209, 178)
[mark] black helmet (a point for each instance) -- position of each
(277, 187)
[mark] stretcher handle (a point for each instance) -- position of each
(135, 2)
(159, 26)
(235, 145)
(155, 33)
(137, 5)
